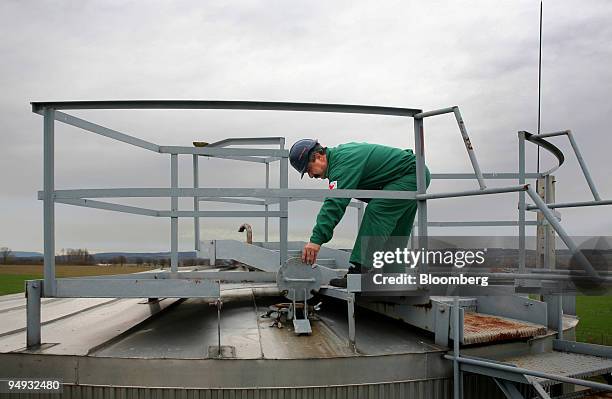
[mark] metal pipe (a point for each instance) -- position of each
(457, 394)
(519, 370)
(560, 317)
(583, 166)
(521, 211)
(441, 111)
(562, 234)
(491, 176)
(266, 207)
(469, 148)
(214, 104)
(249, 231)
(174, 219)
(419, 146)
(283, 208)
(196, 203)
(572, 204)
(551, 134)
(48, 201)
(467, 193)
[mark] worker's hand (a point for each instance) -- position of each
(310, 252)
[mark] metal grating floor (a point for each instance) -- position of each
(562, 363)
(482, 328)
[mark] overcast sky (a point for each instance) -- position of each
(480, 55)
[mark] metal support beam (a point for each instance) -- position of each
(33, 294)
(214, 104)
(104, 131)
(174, 219)
(584, 262)
(196, 203)
(508, 389)
(583, 166)
(136, 288)
(224, 152)
(88, 203)
(283, 225)
(521, 207)
(419, 146)
(350, 302)
(266, 206)
(457, 391)
(468, 193)
(49, 200)
(573, 204)
(534, 373)
(224, 214)
(469, 148)
(137, 192)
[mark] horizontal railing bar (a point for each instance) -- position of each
(245, 159)
(551, 134)
(235, 201)
(136, 288)
(268, 193)
(220, 152)
(225, 277)
(222, 214)
(246, 141)
(572, 204)
(493, 175)
(228, 192)
(352, 204)
(496, 190)
(483, 223)
(441, 111)
(519, 370)
(237, 105)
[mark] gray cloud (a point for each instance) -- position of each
(479, 55)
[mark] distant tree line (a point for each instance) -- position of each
(6, 255)
(81, 256)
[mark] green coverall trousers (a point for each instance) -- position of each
(386, 224)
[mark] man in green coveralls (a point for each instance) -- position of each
(386, 222)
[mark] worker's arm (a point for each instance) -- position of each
(346, 177)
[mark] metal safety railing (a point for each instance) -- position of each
(175, 284)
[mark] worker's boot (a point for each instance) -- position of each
(341, 282)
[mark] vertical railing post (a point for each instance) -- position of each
(419, 144)
(283, 206)
(360, 210)
(196, 203)
(267, 207)
(560, 316)
(49, 201)
(33, 288)
(457, 394)
(174, 208)
(521, 218)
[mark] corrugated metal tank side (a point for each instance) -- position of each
(475, 387)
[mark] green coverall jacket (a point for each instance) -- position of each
(386, 223)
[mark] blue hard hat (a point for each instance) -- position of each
(299, 154)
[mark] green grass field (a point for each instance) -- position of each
(12, 277)
(595, 312)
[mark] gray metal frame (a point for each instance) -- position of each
(179, 284)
